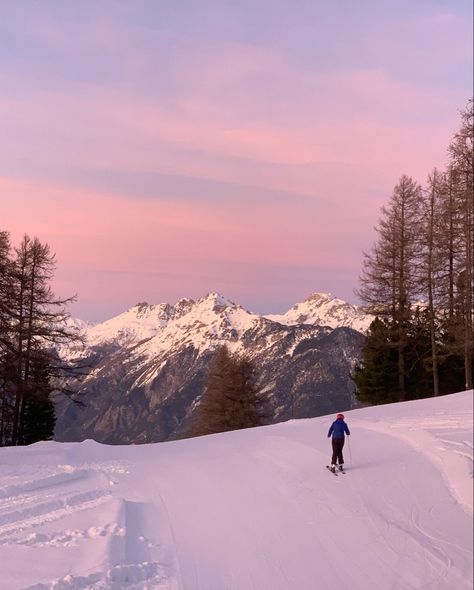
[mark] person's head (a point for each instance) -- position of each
(340, 417)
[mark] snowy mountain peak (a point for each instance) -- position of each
(183, 306)
(319, 298)
(326, 310)
(216, 301)
(213, 316)
(146, 310)
(141, 305)
(140, 322)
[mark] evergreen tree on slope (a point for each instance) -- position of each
(230, 398)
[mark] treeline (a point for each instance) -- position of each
(230, 400)
(418, 282)
(33, 323)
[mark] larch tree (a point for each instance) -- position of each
(230, 398)
(5, 335)
(461, 164)
(448, 249)
(34, 324)
(431, 262)
(418, 279)
(389, 283)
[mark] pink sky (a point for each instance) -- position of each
(167, 152)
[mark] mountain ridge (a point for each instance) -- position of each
(317, 309)
(150, 364)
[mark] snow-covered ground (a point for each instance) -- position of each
(253, 510)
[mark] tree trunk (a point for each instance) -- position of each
(401, 373)
(19, 380)
(469, 298)
(434, 181)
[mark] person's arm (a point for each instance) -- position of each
(331, 429)
(346, 428)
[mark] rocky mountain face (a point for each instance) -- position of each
(150, 363)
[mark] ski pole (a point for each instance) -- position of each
(349, 446)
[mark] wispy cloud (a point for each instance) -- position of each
(206, 133)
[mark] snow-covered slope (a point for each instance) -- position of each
(323, 309)
(253, 509)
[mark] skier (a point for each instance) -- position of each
(338, 429)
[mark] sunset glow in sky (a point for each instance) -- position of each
(168, 149)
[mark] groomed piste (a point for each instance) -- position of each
(249, 510)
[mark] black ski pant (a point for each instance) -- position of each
(337, 444)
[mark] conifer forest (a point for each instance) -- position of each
(418, 281)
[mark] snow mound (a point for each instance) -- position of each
(249, 509)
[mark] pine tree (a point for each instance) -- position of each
(419, 370)
(376, 376)
(38, 416)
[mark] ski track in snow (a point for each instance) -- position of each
(29, 509)
(249, 510)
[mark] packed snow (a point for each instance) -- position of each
(249, 510)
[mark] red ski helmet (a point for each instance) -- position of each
(340, 416)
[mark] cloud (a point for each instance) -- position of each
(146, 140)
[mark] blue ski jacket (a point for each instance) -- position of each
(338, 428)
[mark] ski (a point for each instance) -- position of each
(333, 472)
